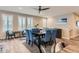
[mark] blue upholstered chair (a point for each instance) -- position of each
(50, 36)
(46, 39)
(35, 30)
(27, 37)
(53, 34)
(30, 37)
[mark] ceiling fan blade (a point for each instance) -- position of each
(45, 8)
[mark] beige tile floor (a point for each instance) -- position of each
(14, 46)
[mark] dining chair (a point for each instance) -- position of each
(27, 37)
(23, 33)
(53, 34)
(30, 38)
(46, 39)
(9, 34)
(35, 30)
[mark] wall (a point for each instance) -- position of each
(15, 21)
(38, 20)
(75, 28)
(72, 26)
(50, 22)
(68, 30)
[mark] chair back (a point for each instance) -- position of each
(27, 35)
(53, 34)
(47, 36)
(9, 32)
(30, 35)
(36, 30)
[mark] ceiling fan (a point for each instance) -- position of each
(42, 9)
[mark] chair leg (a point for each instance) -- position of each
(31, 43)
(45, 45)
(27, 41)
(49, 43)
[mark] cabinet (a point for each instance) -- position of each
(59, 33)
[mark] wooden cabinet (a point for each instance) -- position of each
(59, 33)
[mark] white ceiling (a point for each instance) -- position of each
(32, 10)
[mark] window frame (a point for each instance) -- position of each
(8, 24)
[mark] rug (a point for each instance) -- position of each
(34, 48)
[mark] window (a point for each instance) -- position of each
(29, 22)
(22, 23)
(7, 22)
